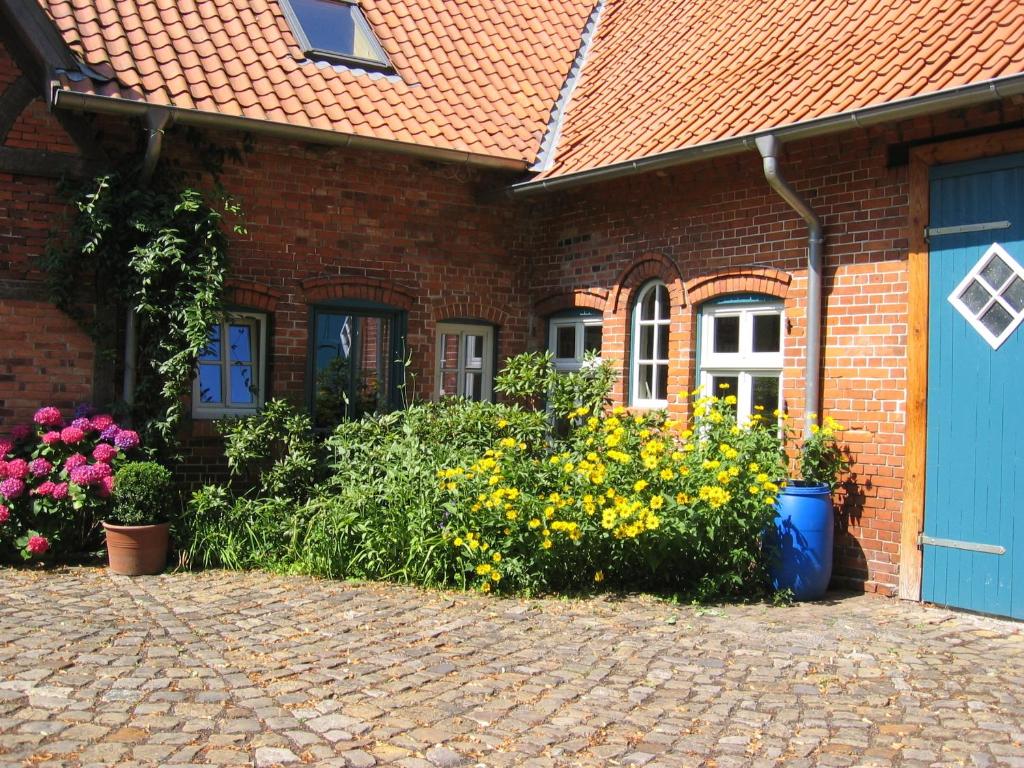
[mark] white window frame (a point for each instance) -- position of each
(660, 326)
(580, 323)
(258, 322)
(462, 330)
(745, 364)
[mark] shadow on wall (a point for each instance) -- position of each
(850, 569)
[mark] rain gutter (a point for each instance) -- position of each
(769, 147)
(87, 102)
(915, 106)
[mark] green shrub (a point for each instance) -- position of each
(142, 494)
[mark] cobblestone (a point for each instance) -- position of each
(234, 669)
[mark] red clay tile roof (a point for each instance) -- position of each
(668, 74)
(476, 76)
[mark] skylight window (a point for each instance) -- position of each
(336, 30)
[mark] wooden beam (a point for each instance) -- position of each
(922, 158)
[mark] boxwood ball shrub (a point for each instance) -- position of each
(503, 498)
(142, 494)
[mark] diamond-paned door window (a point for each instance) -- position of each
(991, 296)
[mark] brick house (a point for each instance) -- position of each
(814, 203)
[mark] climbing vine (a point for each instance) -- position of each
(161, 250)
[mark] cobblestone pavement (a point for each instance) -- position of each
(235, 669)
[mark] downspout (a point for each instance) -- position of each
(769, 146)
(157, 122)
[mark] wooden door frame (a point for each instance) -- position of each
(922, 158)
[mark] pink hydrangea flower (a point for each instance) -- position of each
(72, 435)
(3, 470)
(127, 439)
(40, 467)
(38, 545)
(101, 470)
(5, 447)
(59, 492)
(12, 488)
(5, 514)
(83, 424)
(74, 460)
(17, 468)
(84, 475)
(51, 438)
(48, 417)
(44, 489)
(104, 452)
(106, 487)
(102, 421)
(21, 431)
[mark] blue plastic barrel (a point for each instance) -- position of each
(804, 528)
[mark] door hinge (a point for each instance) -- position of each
(930, 232)
(970, 546)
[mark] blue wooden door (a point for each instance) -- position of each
(973, 537)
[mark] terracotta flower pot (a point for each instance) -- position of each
(137, 550)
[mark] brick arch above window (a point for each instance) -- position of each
(251, 295)
(581, 298)
(468, 309)
(650, 266)
(361, 288)
(754, 280)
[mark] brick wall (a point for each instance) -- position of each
(45, 358)
(716, 228)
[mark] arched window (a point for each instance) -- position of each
(649, 333)
(741, 352)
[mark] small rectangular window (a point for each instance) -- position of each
(465, 361)
(231, 371)
(334, 29)
(572, 337)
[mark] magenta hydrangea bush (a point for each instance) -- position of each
(56, 477)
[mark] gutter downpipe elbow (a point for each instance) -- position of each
(769, 147)
(158, 120)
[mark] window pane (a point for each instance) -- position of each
(663, 307)
(647, 304)
(210, 384)
(727, 334)
(474, 389)
(565, 341)
(767, 333)
(592, 338)
(765, 393)
(449, 383)
(212, 351)
(240, 343)
(352, 367)
(646, 381)
(474, 351)
(335, 27)
(662, 382)
(662, 342)
(1014, 294)
(996, 272)
(975, 297)
(449, 350)
(243, 387)
(722, 386)
(996, 319)
(646, 342)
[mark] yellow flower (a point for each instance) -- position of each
(507, 442)
(599, 577)
(549, 512)
(769, 500)
(555, 459)
(511, 515)
(502, 423)
(496, 557)
(730, 399)
(656, 502)
(667, 474)
(682, 498)
(495, 576)
(546, 544)
(458, 541)
(534, 523)
(639, 485)
(485, 587)
(493, 480)
(483, 569)
(723, 385)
